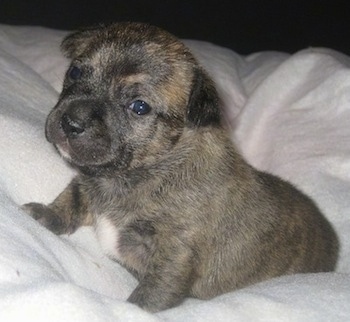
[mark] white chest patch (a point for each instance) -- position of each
(108, 236)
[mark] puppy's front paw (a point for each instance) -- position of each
(45, 216)
(153, 297)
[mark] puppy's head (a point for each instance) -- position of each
(130, 92)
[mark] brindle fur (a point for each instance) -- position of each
(192, 217)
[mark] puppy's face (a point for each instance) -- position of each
(127, 97)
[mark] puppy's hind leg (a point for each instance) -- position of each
(166, 283)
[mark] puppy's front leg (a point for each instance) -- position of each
(166, 283)
(65, 214)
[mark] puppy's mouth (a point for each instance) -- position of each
(80, 138)
(64, 150)
(85, 151)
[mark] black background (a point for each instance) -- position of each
(245, 26)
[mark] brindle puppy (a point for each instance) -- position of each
(161, 181)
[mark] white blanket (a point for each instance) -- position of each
(291, 116)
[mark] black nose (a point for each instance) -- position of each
(71, 127)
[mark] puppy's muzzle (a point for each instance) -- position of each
(74, 119)
(78, 130)
(79, 116)
(72, 127)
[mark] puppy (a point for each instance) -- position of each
(170, 197)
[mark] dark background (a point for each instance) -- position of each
(245, 26)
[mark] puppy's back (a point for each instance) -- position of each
(268, 228)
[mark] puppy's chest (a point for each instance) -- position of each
(126, 231)
(130, 226)
(129, 242)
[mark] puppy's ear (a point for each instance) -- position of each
(77, 42)
(203, 106)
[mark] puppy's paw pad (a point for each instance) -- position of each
(44, 215)
(36, 210)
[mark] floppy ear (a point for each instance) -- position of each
(203, 106)
(77, 42)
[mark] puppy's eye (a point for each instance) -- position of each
(74, 73)
(140, 107)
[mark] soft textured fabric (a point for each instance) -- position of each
(290, 116)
